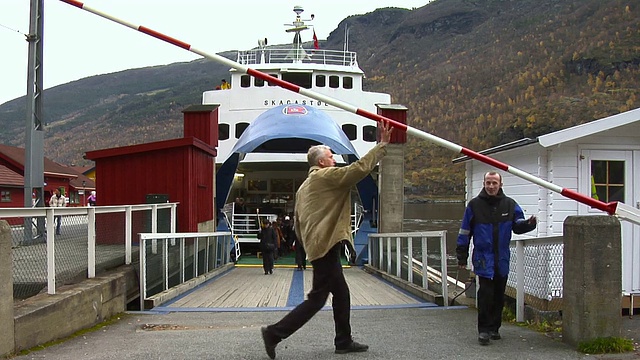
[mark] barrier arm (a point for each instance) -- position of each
(621, 210)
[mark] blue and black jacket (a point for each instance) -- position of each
(489, 220)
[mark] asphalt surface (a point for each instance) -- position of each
(418, 333)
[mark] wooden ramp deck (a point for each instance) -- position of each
(248, 289)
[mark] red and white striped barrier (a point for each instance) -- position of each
(619, 209)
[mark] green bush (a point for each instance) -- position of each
(606, 345)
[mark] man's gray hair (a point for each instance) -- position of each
(316, 153)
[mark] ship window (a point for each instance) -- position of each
(258, 82)
(275, 76)
(281, 185)
(240, 128)
(334, 81)
(321, 81)
(350, 130)
(223, 131)
(347, 82)
(245, 81)
(300, 79)
(369, 133)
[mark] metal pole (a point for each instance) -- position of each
(630, 214)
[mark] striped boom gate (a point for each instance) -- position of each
(621, 210)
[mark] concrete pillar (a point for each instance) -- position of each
(592, 274)
(7, 343)
(391, 185)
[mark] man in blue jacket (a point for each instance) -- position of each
(489, 219)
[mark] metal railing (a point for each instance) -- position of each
(537, 279)
(90, 240)
(406, 256)
(291, 55)
(169, 259)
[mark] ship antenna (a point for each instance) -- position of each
(297, 53)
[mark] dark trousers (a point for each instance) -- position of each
(267, 260)
(490, 303)
(58, 220)
(301, 256)
(327, 278)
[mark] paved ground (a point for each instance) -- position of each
(392, 334)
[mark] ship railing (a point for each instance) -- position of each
(408, 257)
(168, 260)
(356, 218)
(292, 55)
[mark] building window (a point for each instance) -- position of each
(5, 196)
(334, 81)
(369, 133)
(347, 82)
(240, 128)
(350, 130)
(321, 81)
(245, 81)
(608, 179)
(223, 131)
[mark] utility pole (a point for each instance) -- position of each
(34, 129)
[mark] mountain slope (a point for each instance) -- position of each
(478, 73)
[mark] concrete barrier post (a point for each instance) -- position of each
(592, 277)
(392, 190)
(7, 343)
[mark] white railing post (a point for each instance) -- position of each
(410, 258)
(370, 243)
(165, 262)
(443, 267)
(389, 254)
(195, 257)
(182, 259)
(174, 215)
(380, 252)
(519, 281)
(143, 271)
(91, 242)
(398, 257)
(425, 279)
(51, 253)
(127, 235)
(154, 227)
(206, 255)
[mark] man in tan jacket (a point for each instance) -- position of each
(323, 222)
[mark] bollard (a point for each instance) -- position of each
(7, 343)
(592, 277)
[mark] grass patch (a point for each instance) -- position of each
(112, 320)
(608, 345)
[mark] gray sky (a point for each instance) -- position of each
(78, 44)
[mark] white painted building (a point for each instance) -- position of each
(607, 149)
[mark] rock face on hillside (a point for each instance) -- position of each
(478, 73)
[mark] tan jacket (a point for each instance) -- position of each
(323, 203)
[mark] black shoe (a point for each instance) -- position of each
(483, 338)
(353, 347)
(269, 346)
(495, 335)
(270, 271)
(266, 273)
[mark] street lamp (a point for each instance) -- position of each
(84, 193)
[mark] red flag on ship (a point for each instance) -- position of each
(315, 40)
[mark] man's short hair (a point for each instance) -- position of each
(492, 173)
(316, 153)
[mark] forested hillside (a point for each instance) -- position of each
(478, 73)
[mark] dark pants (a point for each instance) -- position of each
(267, 260)
(58, 222)
(327, 278)
(301, 256)
(490, 303)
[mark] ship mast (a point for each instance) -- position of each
(297, 53)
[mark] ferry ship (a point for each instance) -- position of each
(265, 131)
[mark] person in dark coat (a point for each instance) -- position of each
(489, 220)
(268, 246)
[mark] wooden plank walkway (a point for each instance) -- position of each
(248, 287)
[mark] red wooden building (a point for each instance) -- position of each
(178, 170)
